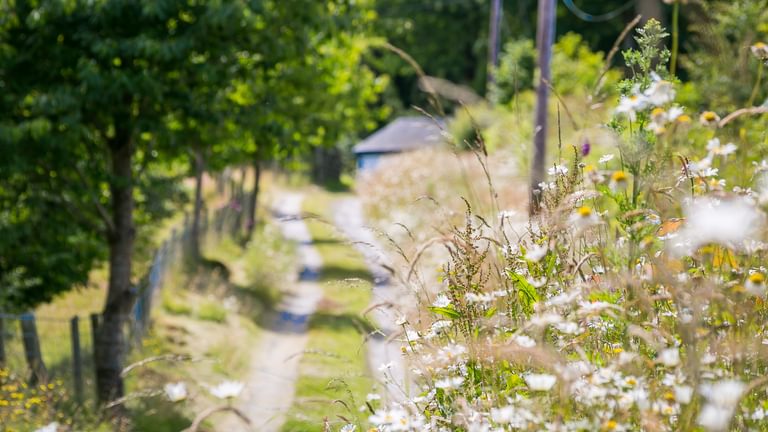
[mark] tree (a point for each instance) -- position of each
(99, 80)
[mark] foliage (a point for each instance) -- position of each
(449, 39)
(719, 62)
(575, 68)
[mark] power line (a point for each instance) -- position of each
(597, 18)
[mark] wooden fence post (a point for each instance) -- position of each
(32, 349)
(545, 31)
(77, 359)
(2, 343)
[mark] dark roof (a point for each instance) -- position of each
(403, 134)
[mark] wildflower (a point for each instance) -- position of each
(441, 301)
(584, 218)
(349, 427)
(51, 427)
(702, 168)
(585, 147)
(478, 298)
(709, 118)
(536, 252)
(683, 394)
(227, 389)
(449, 383)
(630, 105)
(176, 392)
(370, 397)
(675, 113)
(605, 158)
(385, 366)
(761, 167)
(544, 186)
(540, 382)
(568, 327)
(755, 284)
(524, 341)
(503, 415)
(716, 149)
(619, 180)
(722, 399)
(669, 357)
(725, 222)
(760, 50)
(660, 92)
(658, 115)
(558, 170)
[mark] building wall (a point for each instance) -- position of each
(368, 161)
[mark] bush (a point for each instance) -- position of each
(575, 68)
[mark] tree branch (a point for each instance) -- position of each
(103, 213)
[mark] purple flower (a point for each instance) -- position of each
(585, 147)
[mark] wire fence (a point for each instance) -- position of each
(44, 348)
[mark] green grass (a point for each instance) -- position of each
(334, 379)
(211, 311)
(175, 303)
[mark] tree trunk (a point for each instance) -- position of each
(110, 345)
(253, 203)
(195, 236)
(327, 166)
(239, 193)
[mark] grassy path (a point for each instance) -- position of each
(388, 301)
(334, 376)
(274, 361)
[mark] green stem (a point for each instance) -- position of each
(675, 34)
(757, 84)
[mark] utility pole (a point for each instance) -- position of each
(545, 33)
(494, 42)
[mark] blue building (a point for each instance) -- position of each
(402, 135)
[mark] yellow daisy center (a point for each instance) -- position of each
(709, 116)
(757, 278)
(619, 176)
(584, 211)
(684, 118)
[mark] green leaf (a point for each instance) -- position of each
(447, 312)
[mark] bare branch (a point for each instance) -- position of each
(741, 112)
(164, 357)
(213, 410)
